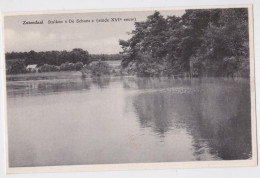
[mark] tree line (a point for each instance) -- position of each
(107, 57)
(50, 57)
(50, 61)
(205, 42)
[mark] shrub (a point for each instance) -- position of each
(48, 68)
(16, 67)
(78, 66)
(100, 68)
(67, 66)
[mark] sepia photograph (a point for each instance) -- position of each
(129, 89)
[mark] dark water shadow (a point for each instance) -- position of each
(101, 82)
(215, 112)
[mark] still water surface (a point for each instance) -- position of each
(62, 119)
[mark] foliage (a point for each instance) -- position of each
(99, 69)
(48, 68)
(79, 66)
(51, 57)
(63, 67)
(106, 57)
(16, 67)
(202, 43)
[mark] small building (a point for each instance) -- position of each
(32, 68)
(94, 62)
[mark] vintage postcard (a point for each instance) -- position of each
(122, 89)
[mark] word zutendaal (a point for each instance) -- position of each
(32, 22)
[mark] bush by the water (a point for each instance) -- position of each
(71, 66)
(100, 68)
(63, 67)
(48, 68)
(16, 67)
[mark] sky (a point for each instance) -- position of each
(96, 38)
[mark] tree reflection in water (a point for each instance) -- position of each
(101, 82)
(215, 112)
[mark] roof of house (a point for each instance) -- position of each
(32, 66)
(94, 62)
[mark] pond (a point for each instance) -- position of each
(62, 119)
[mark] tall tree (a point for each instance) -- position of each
(202, 42)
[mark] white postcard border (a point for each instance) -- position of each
(142, 166)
